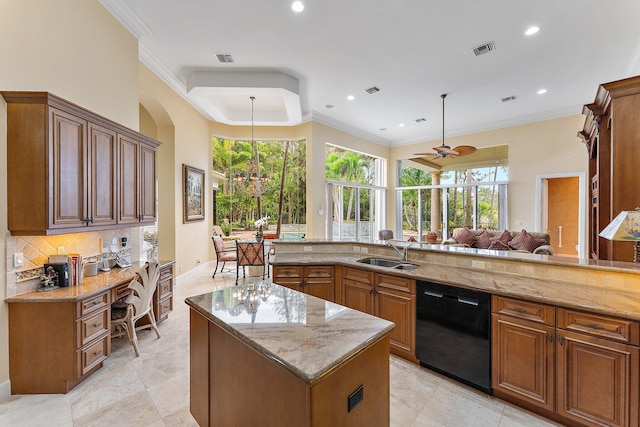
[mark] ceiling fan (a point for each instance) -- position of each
(443, 150)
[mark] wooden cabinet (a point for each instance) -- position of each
(316, 280)
(137, 182)
(67, 169)
(52, 353)
(578, 368)
(389, 297)
(611, 134)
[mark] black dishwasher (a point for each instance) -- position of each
(453, 333)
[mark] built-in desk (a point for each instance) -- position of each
(59, 338)
(263, 354)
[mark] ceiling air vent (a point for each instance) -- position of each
(422, 119)
(372, 90)
(224, 58)
(484, 48)
(509, 98)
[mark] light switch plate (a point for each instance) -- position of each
(18, 260)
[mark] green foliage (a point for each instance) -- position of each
(240, 207)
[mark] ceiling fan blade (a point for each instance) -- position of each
(464, 150)
(446, 150)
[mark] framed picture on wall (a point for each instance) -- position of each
(193, 197)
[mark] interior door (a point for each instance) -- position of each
(563, 214)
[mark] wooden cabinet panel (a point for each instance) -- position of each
(358, 296)
(523, 360)
(597, 380)
(622, 330)
(93, 326)
(526, 310)
(128, 172)
(147, 185)
(93, 355)
(93, 304)
(69, 174)
(400, 308)
(102, 175)
(316, 280)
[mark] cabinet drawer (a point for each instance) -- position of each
(317, 271)
(621, 330)
(284, 272)
(92, 304)
(120, 291)
(165, 289)
(164, 308)
(358, 275)
(91, 327)
(166, 273)
(395, 282)
(532, 311)
(93, 354)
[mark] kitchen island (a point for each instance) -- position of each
(263, 354)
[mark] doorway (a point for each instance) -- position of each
(562, 213)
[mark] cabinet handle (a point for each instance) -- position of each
(595, 326)
(97, 325)
(140, 218)
(561, 339)
(97, 353)
(549, 337)
(96, 302)
(91, 219)
(520, 310)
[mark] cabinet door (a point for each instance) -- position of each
(358, 296)
(400, 308)
(68, 171)
(128, 211)
(147, 183)
(522, 360)
(319, 281)
(288, 276)
(597, 380)
(102, 175)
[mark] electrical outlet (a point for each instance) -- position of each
(198, 261)
(18, 260)
(60, 250)
(477, 264)
(307, 248)
(364, 250)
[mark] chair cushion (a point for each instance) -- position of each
(527, 242)
(118, 312)
(465, 237)
(227, 256)
(483, 241)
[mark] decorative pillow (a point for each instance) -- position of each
(465, 237)
(527, 242)
(504, 237)
(483, 241)
(499, 246)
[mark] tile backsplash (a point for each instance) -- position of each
(36, 251)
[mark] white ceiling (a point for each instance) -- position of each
(413, 50)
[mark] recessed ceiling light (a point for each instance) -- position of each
(531, 30)
(383, 128)
(401, 125)
(297, 6)
(541, 91)
(328, 106)
(351, 97)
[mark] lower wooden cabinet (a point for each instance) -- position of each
(390, 297)
(576, 367)
(316, 280)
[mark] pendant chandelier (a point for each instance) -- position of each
(252, 177)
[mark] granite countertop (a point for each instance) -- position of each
(308, 336)
(92, 285)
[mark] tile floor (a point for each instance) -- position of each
(153, 390)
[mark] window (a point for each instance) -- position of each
(355, 194)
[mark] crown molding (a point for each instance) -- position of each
(337, 124)
(127, 17)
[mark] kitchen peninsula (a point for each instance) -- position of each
(263, 354)
(565, 333)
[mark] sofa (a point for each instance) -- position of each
(521, 241)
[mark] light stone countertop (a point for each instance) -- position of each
(308, 336)
(605, 287)
(92, 285)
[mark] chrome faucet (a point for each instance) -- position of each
(402, 254)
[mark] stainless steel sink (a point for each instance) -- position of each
(389, 263)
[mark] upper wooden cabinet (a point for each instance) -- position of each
(70, 170)
(611, 134)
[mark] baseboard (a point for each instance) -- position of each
(5, 390)
(194, 271)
